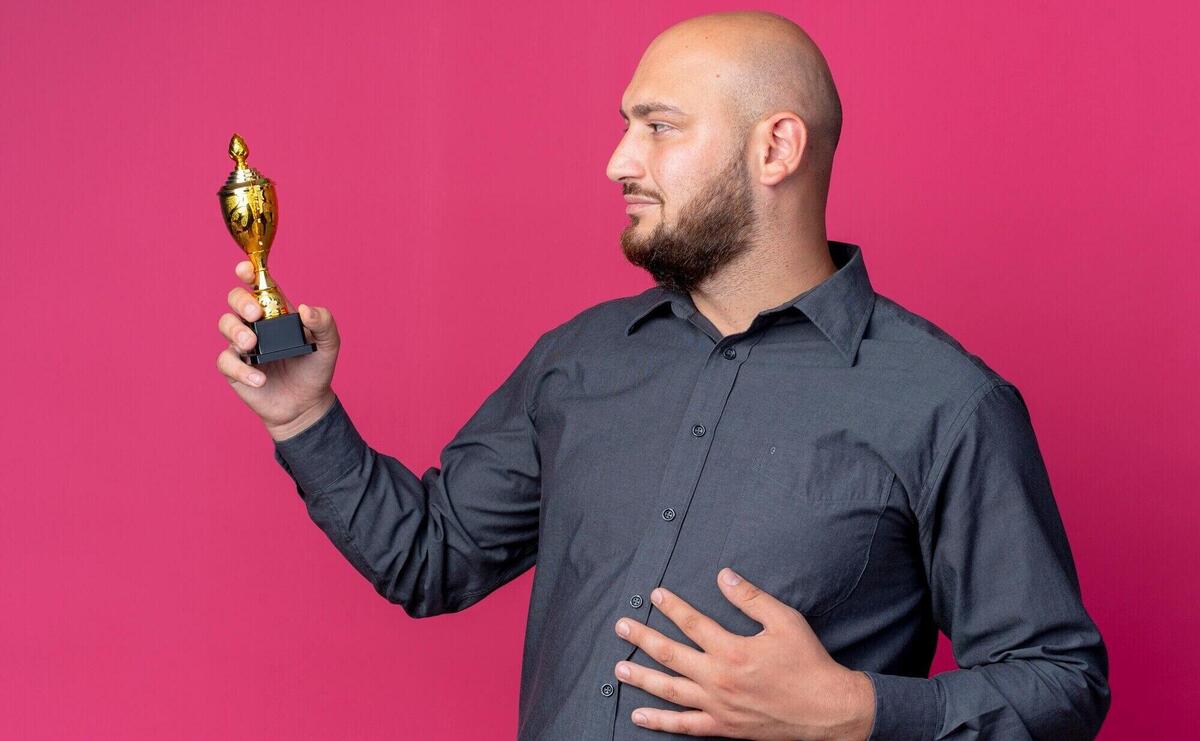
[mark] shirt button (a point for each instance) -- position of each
(635, 601)
(698, 430)
(668, 514)
(606, 689)
(730, 352)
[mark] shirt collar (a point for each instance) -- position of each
(839, 305)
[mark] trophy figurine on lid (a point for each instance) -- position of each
(250, 210)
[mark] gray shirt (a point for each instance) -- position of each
(842, 453)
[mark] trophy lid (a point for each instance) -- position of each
(242, 175)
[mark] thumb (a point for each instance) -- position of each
(320, 322)
(760, 606)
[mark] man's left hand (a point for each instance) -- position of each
(778, 684)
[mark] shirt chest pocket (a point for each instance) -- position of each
(804, 523)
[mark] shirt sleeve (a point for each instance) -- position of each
(1004, 590)
(438, 542)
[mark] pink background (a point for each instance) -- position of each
(1024, 174)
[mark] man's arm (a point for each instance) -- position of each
(1005, 591)
(439, 542)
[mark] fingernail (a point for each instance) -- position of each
(639, 718)
(255, 378)
(623, 670)
(731, 578)
(250, 309)
(245, 338)
(656, 596)
(622, 628)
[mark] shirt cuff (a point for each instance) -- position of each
(323, 452)
(906, 708)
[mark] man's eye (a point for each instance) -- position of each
(651, 125)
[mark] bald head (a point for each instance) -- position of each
(760, 64)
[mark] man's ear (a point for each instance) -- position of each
(783, 139)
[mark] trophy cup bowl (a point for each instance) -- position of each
(250, 211)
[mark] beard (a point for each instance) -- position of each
(715, 227)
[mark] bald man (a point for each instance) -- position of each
(753, 492)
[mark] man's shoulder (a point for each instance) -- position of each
(923, 346)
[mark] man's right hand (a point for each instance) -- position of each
(289, 394)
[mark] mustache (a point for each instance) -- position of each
(631, 189)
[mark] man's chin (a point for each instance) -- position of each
(640, 225)
(635, 250)
(631, 237)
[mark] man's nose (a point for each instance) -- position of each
(623, 165)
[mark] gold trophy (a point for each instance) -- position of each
(250, 210)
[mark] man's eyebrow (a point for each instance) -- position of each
(641, 110)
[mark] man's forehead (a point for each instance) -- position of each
(684, 102)
(685, 82)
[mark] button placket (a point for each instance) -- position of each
(685, 465)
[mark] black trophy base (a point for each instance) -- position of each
(278, 338)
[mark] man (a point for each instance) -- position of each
(755, 491)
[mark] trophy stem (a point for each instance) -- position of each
(272, 302)
(266, 292)
(258, 261)
(262, 279)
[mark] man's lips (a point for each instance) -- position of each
(635, 204)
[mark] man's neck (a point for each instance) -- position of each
(732, 298)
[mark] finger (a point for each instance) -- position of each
(679, 690)
(319, 321)
(244, 271)
(703, 630)
(671, 654)
(688, 722)
(236, 331)
(244, 305)
(760, 606)
(236, 371)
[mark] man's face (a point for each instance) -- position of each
(687, 159)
